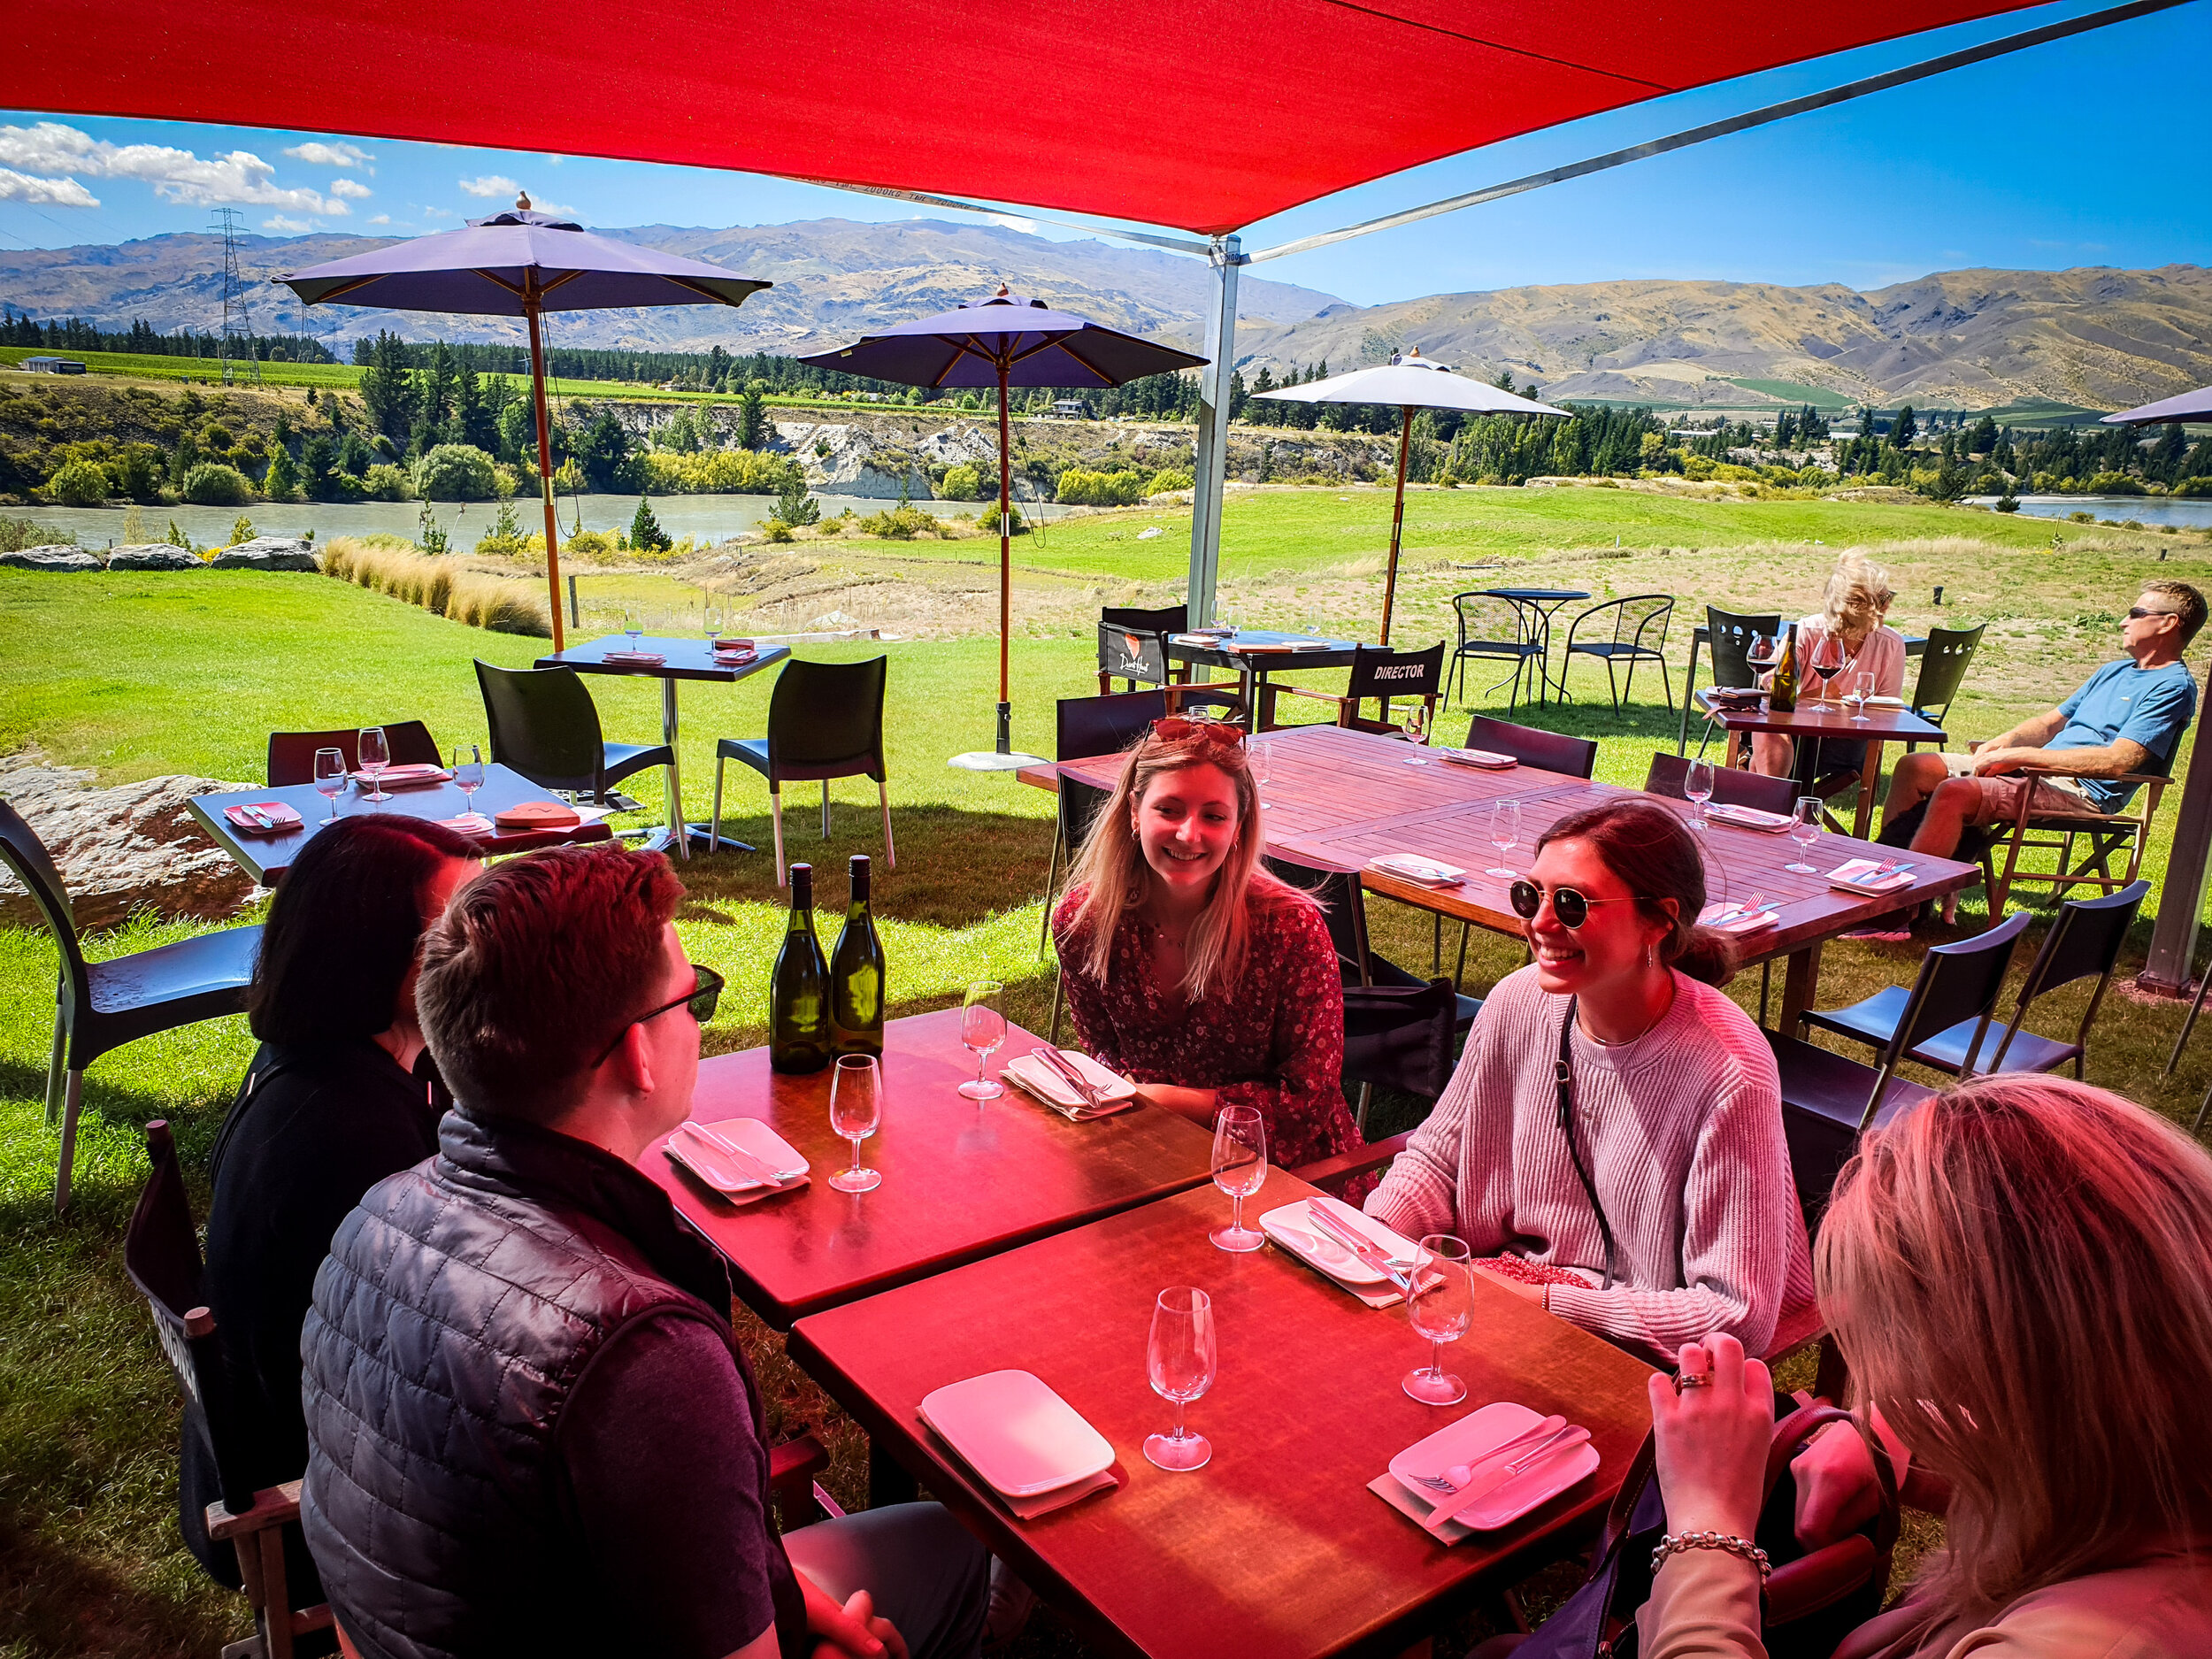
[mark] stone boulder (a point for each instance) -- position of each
(154, 555)
(121, 849)
(54, 557)
(267, 553)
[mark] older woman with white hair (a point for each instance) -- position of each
(1858, 598)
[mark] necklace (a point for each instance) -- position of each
(1650, 1026)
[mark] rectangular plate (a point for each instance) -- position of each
(1464, 1442)
(1290, 1227)
(719, 1171)
(1015, 1432)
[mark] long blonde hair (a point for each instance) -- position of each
(1855, 570)
(2016, 1273)
(1114, 878)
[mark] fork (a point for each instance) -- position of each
(1543, 1428)
(747, 1162)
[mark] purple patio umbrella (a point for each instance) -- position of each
(520, 264)
(1003, 341)
(2187, 406)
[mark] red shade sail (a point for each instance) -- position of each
(1207, 115)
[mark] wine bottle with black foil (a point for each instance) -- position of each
(857, 974)
(1782, 690)
(799, 989)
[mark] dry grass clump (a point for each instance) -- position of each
(440, 586)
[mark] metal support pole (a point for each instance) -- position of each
(2181, 903)
(1397, 529)
(1211, 472)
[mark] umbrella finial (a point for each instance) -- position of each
(522, 201)
(1413, 351)
(1001, 292)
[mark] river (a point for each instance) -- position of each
(2194, 513)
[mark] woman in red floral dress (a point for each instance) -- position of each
(1188, 968)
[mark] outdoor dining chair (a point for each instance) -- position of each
(101, 1006)
(1670, 775)
(1132, 645)
(824, 720)
(1086, 727)
(1634, 630)
(545, 726)
(1943, 664)
(1494, 628)
(1381, 676)
(1551, 751)
(2104, 836)
(1728, 635)
(292, 754)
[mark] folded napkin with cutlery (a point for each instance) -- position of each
(1345, 1246)
(1029, 1448)
(1885, 703)
(740, 1158)
(634, 659)
(1488, 759)
(1739, 918)
(1870, 875)
(468, 823)
(407, 777)
(1077, 1087)
(262, 817)
(1485, 1471)
(1749, 817)
(1427, 872)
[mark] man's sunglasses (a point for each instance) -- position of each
(700, 1000)
(1569, 905)
(2136, 613)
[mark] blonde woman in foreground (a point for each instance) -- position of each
(2016, 1273)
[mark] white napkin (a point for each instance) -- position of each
(1855, 874)
(1748, 816)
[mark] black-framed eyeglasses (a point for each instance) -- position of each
(701, 999)
(1571, 905)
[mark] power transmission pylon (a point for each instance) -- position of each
(237, 346)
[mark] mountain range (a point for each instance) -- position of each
(2091, 337)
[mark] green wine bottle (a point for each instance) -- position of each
(798, 990)
(1782, 690)
(857, 974)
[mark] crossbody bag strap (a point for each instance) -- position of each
(1564, 1074)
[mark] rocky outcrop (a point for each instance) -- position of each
(122, 848)
(843, 458)
(53, 556)
(267, 553)
(153, 555)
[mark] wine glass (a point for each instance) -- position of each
(856, 1107)
(1416, 727)
(710, 622)
(330, 776)
(982, 1028)
(1180, 1360)
(1804, 830)
(1697, 788)
(1239, 1167)
(376, 754)
(1505, 835)
(1440, 1306)
(1260, 757)
(1829, 659)
(1862, 693)
(468, 773)
(1762, 651)
(633, 625)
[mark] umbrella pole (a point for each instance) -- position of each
(1005, 568)
(545, 469)
(1397, 523)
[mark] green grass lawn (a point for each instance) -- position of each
(139, 675)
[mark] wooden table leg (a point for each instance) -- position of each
(1800, 985)
(1737, 742)
(889, 1481)
(1869, 775)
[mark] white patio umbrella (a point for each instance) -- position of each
(1412, 382)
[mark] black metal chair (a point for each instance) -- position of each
(824, 720)
(1380, 675)
(1943, 664)
(101, 1006)
(1728, 635)
(545, 726)
(292, 754)
(1551, 751)
(1494, 628)
(1131, 645)
(1638, 631)
(1087, 726)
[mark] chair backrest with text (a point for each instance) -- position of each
(1137, 655)
(1381, 674)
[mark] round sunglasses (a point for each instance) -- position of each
(1571, 905)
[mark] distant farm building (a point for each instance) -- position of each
(1070, 409)
(52, 365)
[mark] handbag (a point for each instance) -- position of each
(1812, 1599)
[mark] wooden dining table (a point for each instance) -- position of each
(1341, 799)
(962, 1179)
(1275, 1547)
(1809, 722)
(1252, 654)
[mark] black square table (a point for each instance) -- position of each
(681, 659)
(1252, 654)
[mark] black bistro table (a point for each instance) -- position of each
(681, 659)
(1252, 655)
(1544, 602)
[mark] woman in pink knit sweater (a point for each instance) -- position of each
(1653, 1205)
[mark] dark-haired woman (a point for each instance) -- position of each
(334, 1102)
(1647, 1197)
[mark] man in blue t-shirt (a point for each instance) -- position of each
(2127, 717)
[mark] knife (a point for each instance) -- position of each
(1064, 1070)
(1566, 1439)
(748, 1163)
(1368, 1252)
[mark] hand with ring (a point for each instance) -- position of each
(1713, 1422)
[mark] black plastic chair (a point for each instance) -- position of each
(1400, 1037)
(1494, 628)
(1378, 675)
(1638, 626)
(292, 754)
(1728, 635)
(824, 720)
(1551, 751)
(1132, 645)
(1670, 776)
(545, 726)
(1943, 664)
(102, 1005)
(1087, 726)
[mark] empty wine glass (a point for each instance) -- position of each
(1862, 693)
(855, 1108)
(1416, 727)
(1260, 757)
(1505, 835)
(376, 755)
(330, 776)
(1441, 1305)
(1804, 830)
(1239, 1168)
(982, 1028)
(1180, 1361)
(710, 622)
(468, 772)
(633, 625)
(1697, 788)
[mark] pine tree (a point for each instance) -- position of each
(1904, 429)
(752, 420)
(646, 534)
(1785, 430)
(387, 390)
(283, 480)
(1984, 438)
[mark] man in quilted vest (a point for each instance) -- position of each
(530, 1430)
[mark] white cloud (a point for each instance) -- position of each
(381, 218)
(51, 148)
(16, 186)
(437, 212)
(555, 161)
(320, 155)
(288, 227)
(490, 184)
(550, 207)
(1014, 222)
(352, 188)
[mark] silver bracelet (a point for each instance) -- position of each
(1672, 1543)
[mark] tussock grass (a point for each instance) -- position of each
(440, 586)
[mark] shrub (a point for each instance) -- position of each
(456, 471)
(1101, 489)
(963, 482)
(2191, 488)
(385, 482)
(17, 534)
(715, 473)
(595, 545)
(213, 484)
(136, 471)
(504, 539)
(78, 484)
(1166, 479)
(900, 524)
(241, 530)
(2114, 484)
(492, 603)
(776, 530)
(793, 505)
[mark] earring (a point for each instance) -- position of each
(1651, 955)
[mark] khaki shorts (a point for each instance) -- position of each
(2000, 802)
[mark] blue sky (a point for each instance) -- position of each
(2002, 164)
